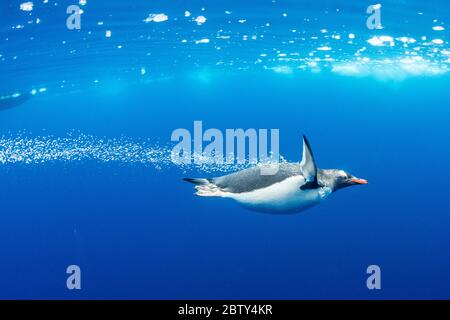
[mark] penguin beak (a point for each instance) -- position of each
(358, 181)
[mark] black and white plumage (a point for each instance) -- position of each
(293, 188)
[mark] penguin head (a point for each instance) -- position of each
(338, 179)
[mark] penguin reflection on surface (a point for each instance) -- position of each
(9, 102)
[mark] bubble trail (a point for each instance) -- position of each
(22, 149)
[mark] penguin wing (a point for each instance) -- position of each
(308, 166)
(252, 179)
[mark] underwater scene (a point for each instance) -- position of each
(270, 149)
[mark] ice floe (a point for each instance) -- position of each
(406, 40)
(437, 41)
(26, 6)
(204, 40)
(200, 20)
(156, 17)
(381, 41)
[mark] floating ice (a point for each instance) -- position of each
(351, 36)
(324, 48)
(108, 33)
(204, 40)
(82, 2)
(187, 14)
(200, 20)
(406, 40)
(437, 41)
(156, 17)
(380, 41)
(438, 28)
(26, 6)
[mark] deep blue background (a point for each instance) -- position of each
(137, 232)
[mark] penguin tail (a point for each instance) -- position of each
(197, 181)
(205, 187)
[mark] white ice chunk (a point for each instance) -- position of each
(204, 40)
(156, 17)
(380, 41)
(200, 20)
(26, 6)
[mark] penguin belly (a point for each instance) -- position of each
(280, 198)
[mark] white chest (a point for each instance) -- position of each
(283, 197)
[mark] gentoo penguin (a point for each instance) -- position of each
(294, 188)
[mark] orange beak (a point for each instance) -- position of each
(359, 181)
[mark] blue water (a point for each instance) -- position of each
(86, 178)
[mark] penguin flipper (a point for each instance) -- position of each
(308, 167)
